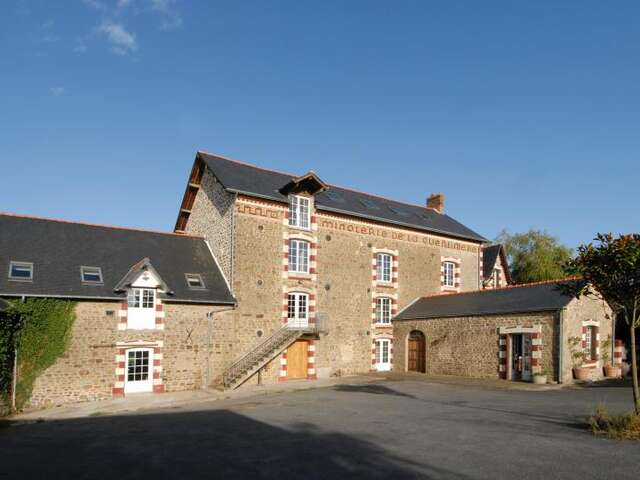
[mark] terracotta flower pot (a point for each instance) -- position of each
(581, 373)
(611, 371)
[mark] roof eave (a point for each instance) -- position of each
(478, 239)
(483, 314)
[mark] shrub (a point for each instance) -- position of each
(41, 329)
(618, 427)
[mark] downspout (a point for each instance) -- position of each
(14, 383)
(560, 344)
(233, 240)
(210, 316)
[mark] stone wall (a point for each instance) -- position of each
(469, 346)
(579, 311)
(194, 348)
(212, 217)
(342, 281)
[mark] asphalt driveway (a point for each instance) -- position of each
(385, 429)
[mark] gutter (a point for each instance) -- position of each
(368, 217)
(119, 299)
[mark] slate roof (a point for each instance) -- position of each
(490, 255)
(535, 297)
(58, 249)
(258, 182)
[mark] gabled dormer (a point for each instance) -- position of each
(143, 286)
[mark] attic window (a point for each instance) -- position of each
(369, 204)
(335, 196)
(194, 280)
(91, 275)
(398, 211)
(21, 271)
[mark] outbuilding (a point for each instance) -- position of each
(510, 333)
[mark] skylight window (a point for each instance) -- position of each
(335, 196)
(194, 280)
(369, 204)
(91, 275)
(397, 211)
(21, 271)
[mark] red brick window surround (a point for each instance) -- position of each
(157, 306)
(385, 268)
(450, 274)
(591, 341)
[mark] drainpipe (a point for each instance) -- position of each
(14, 383)
(561, 344)
(209, 316)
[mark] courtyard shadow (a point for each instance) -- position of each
(372, 388)
(202, 444)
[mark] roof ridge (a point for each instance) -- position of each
(508, 287)
(247, 164)
(98, 225)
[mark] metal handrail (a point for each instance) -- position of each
(258, 352)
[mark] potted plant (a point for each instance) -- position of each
(577, 355)
(540, 378)
(610, 371)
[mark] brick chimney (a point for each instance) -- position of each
(436, 202)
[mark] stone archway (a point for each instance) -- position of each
(417, 352)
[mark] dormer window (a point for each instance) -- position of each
(194, 280)
(142, 309)
(91, 275)
(299, 212)
(21, 271)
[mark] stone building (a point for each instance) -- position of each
(270, 276)
(495, 268)
(509, 333)
(334, 263)
(146, 302)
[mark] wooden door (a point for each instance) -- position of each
(297, 359)
(417, 352)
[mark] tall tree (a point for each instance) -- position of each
(611, 270)
(534, 256)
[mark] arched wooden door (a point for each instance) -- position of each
(417, 352)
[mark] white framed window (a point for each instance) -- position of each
(195, 282)
(298, 309)
(383, 267)
(449, 273)
(141, 313)
(299, 212)
(383, 354)
(91, 275)
(298, 256)
(589, 343)
(496, 278)
(383, 310)
(21, 271)
(139, 376)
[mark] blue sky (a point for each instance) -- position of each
(525, 114)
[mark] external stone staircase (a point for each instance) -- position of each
(243, 368)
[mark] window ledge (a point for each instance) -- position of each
(23, 280)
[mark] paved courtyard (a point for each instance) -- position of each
(381, 429)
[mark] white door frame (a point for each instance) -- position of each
(137, 386)
(381, 364)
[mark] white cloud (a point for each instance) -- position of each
(123, 41)
(57, 91)
(97, 4)
(124, 3)
(171, 17)
(48, 23)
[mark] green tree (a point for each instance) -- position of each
(534, 256)
(611, 272)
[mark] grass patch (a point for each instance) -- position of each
(617, 427)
